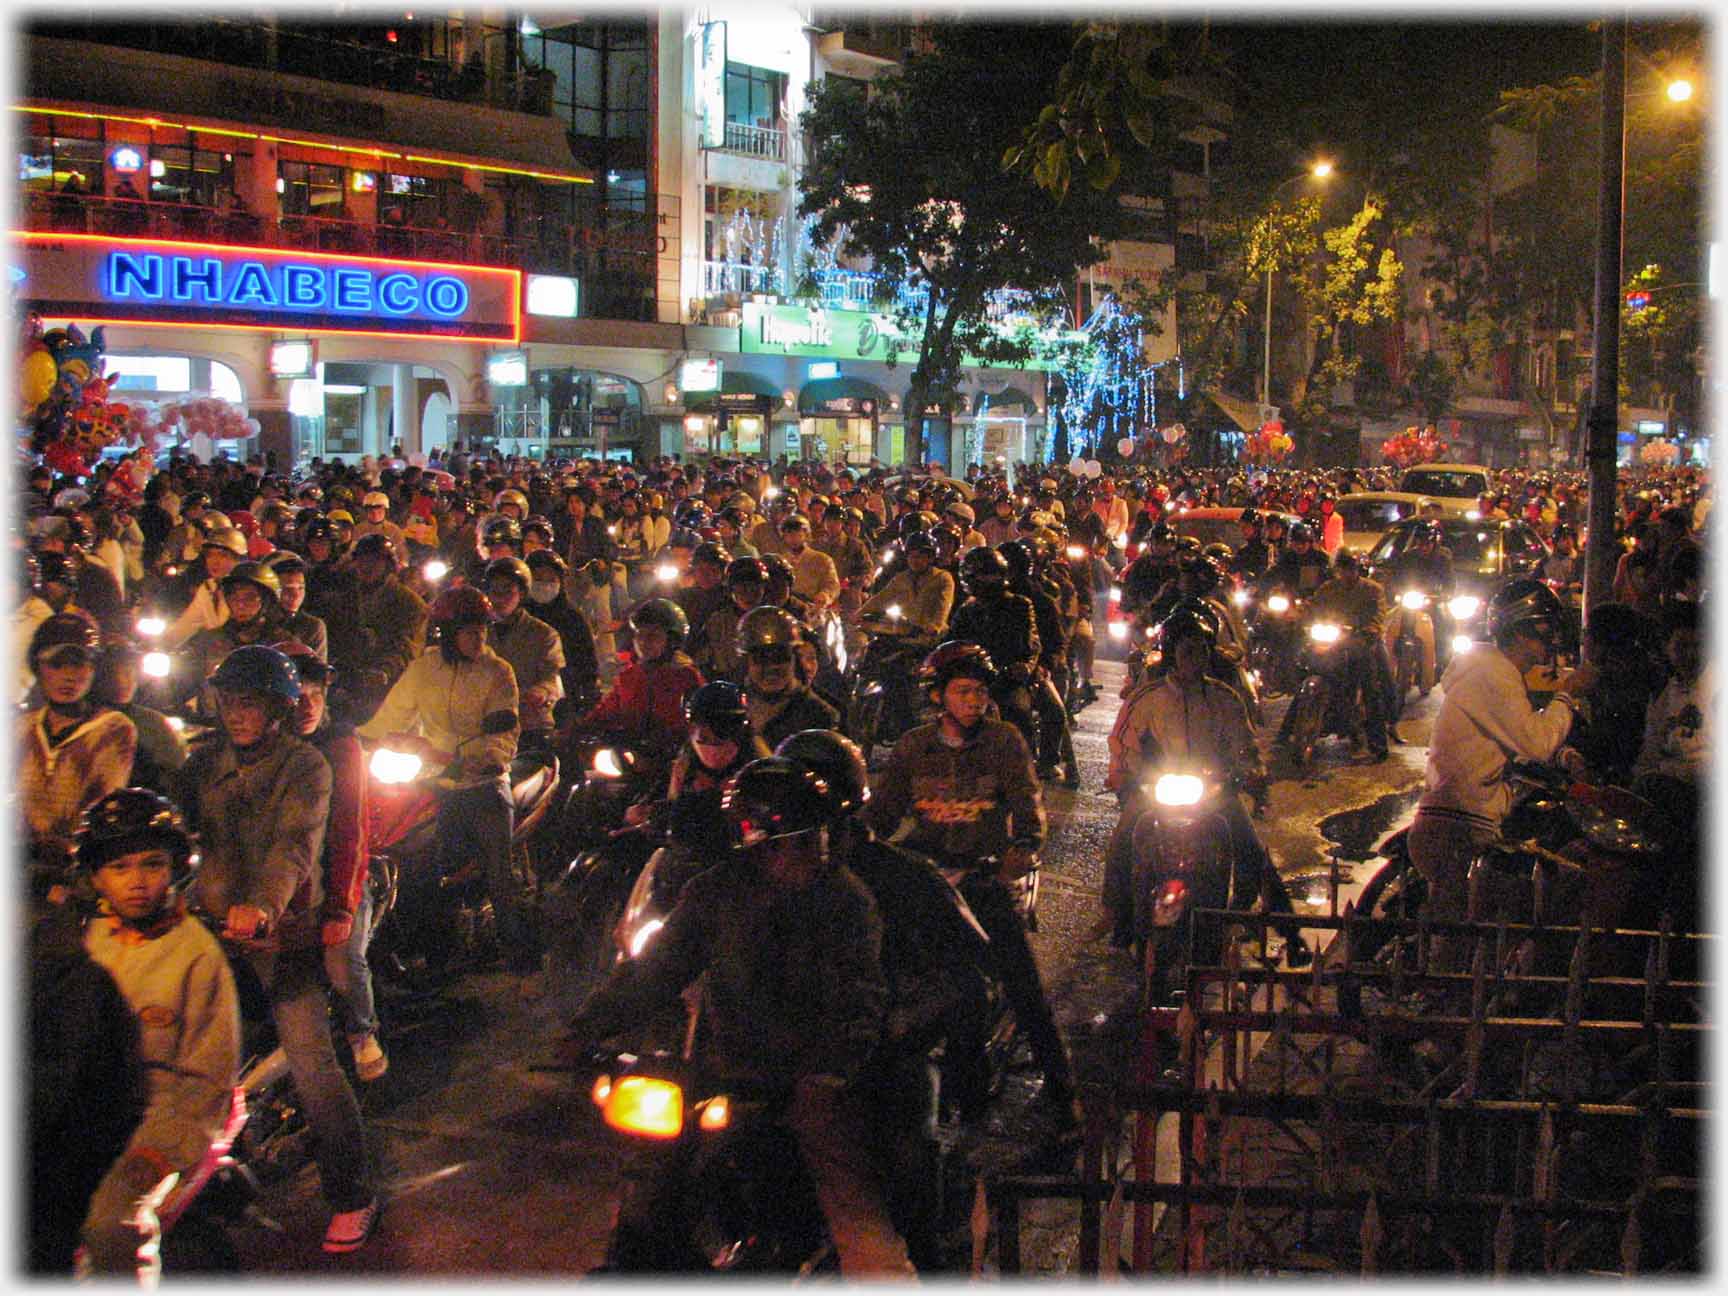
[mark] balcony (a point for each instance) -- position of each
(726, 278)
(755, 141)
(856, 290)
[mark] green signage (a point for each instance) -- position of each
(841, 335)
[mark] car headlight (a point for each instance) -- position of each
(1278, 603)
(1414, 600)
(1324, 632)
(1178, 789)
(1464, 607)
(393, 767)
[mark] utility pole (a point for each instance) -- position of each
(1604, 424)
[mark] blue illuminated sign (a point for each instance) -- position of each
(192, 280)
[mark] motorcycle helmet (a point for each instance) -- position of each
(515, 497)
(662, 614)
(746, 571)
(773, 798)
(711, 551)
(1204, 574)
(719, 706)
(544, 560)
(309, 667)
(318, 528)
(1301, 531)
(1189, 616)
(1220, 553)
(918, 542)
(1161, 533)
(917, 520)
(258, 669)
(375, 499)
(539, 526)
(375, 544)
(1426, 533)
(1249, 518)
(463, 606)
(836, 760)
(1018, 555)
(983, 570)
(1346, 559)
(502, 531)
(683, 539)
(54, 568)
(64, 630)
(1525, 606)
(130, 819)
(767, 627)
(284, 562)
(955, 657)
(512, 567)
(225, 537)
(778, 568)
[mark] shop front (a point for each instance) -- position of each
(1004, 427)
(733, 420)
(838, 419)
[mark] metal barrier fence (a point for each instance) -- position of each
(1542, 1112)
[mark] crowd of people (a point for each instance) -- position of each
(719, 617)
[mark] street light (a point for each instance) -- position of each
(1319, 171)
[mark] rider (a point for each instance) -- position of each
(794, 994)
(549, 600)
(377, 624)
(1187, 721)
(161, 751)
(780, 698)
(1485, 721)
(1301, 567)
(1425, 565)
(1253, 557)
(298, 624)
(1358, 604)
(533, 648)
(259, 801)
(968, 784)
(646, 700)
(139, 858)
(923, 593)
(1148, 574)
(447, 695)
(1055, 745)
(813, 576)
(1003, 624)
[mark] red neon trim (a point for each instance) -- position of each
(291, 330)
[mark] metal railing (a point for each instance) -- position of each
(136, 218)
(855, 290)
(755, 141)
(719, 277)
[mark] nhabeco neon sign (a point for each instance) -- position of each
(152, 281)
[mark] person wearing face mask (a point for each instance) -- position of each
(533, 648)
(72, 751)
(548, 600)
(720, 743)
(780, 698)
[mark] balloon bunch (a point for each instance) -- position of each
(1659, 453)
(208, 416)
(65, 401)
(1413, 446)
(1269, 444)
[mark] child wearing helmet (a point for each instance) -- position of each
(646, 700)
(134, 848)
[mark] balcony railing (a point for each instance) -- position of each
(855, 290)
(721, 277)
(756, 141)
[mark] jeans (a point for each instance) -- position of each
(1441, 850)
(300, 1006)
(476, 823)
(351, 976)
(1014, 965)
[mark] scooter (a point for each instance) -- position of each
(1274, 643)
(1325, 704)
(882, 702)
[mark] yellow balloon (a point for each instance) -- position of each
(38, 377)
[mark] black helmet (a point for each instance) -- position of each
(1249, 518)
(711, 551)
(955, 657)
(1190, 616)
(1427, 532)
(745, 571)
(500, 531)
(982, 568)
(662, 614)
(375, 544)
(512, 567)
(258, 669)
(56, 567)
(1525, 606)
(778, 567)
(772, 798)
(545, 559)
(1161, 533)
(918, 542)
(1018, 555)
(719, 706)
(318, 528)
(917, 520)
(836, 760)
(767, 627)
(129, 819)
(539, 526)
(1205, 573)
(65, 629)
(261, 576)
(1346, 557)
(682, 538)
(1300, 531)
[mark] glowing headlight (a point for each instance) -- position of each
(1169, 506)
(1278, 603)
(666, 572)
(1324, 632)
(644, 934)
(1461, 644)
(1076, 552)
(887, 557)
(1240, 598)
(1122, 541)
(1115, 593)
(1178, 789)
(606, 764)
(1464, 606)
(151, 626)
(155, 665)
(612, 530)
(394, 767)
(1118, 630)
(894, 613)
(1473, 516)
(647, 1106)
(176, 724)
(716, 1113)
(435, 570)
(773, 492)
(1415, 600)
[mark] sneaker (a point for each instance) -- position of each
(351, 1230)
(369, 1059)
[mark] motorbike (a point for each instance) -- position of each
(1324, 704)
(882, 698)
(442, 924)
(1147, 664)
(1274, 643)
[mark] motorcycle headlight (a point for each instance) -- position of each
(155, 664)
(394, 767)
(1278, 603)
(1241, 598)
(607, 764)
(643, 936)
(176, 724)
(1461, 644)
(666, 572)
(435, 571)
(1324, 632)
(1075, 552)
(151, 626)
(1122, 541)
(716, 1113)
(645, 1105)
(1118, 629)
(894, 613)
(1415, 600)
(1178, 789)
(1464, 607)
(887, 557)
(1115, 593)
(1471, 515)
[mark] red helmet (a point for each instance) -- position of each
(462, 606)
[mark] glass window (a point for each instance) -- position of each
(190, 173)
(420, 200)
(753, 95)
(312, 189)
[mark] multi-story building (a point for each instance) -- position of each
(481, 227)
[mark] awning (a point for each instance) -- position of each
(1007, 398)
(842, 397)
(1244, 414)
(739, 385)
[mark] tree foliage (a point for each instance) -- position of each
(911, 178)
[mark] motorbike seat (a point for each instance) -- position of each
(529, 777)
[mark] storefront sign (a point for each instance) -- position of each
(152, 281)
(862, 406)
(711, 84)
(701, 375)
(840, 335)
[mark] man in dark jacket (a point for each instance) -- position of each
(1003, 624)
(780, 700)
(548, 601)
(376, 624)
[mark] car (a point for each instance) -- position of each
(1212, 525)
(1367, 514)
(1457, 488)
(1485, 555)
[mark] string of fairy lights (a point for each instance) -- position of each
(1109, 386)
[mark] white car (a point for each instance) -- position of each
(1367, 515)
(1457, 488)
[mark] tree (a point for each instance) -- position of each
(911, 178)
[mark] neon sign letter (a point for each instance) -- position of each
(128, 273)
